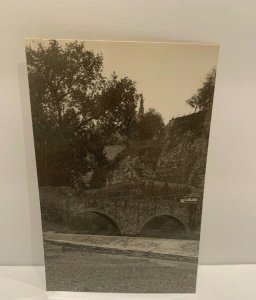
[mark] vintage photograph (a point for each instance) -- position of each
(121, 133)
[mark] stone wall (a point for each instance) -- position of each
(130, 213)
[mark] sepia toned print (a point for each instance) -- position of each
(121, 133)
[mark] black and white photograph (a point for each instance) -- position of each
(121, 132)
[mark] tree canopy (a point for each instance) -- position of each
(150, 125)
(203, 98)
(74, 109)
(118, 106)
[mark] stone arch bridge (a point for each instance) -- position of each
(130, 213)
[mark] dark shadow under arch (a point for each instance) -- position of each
(164, 226)
(94, 222)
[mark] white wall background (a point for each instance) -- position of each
(229, 214)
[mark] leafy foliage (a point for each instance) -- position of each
(118, 106)
(74, 109)
(203, 98)
(150, 125)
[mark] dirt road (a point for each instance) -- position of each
(104, 272)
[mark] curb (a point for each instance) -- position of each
(72, 246)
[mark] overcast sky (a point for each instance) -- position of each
(167, 74)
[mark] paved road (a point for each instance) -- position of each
(103, 272)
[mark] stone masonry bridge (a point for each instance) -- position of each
(129, 213)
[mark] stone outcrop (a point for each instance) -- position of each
(131, 169)
(183, 156)
(136, 163)
(179, 157)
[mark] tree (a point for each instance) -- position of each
(72, 104)
(64, 82)
(118, 104)
(141, 108)
(150, 125)
(203, 98)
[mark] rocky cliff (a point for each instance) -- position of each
(137, 162)
(184, 153)
(178, 157)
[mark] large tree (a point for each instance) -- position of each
(118, 106)
(203, 98)
(72, 105)
(64, 81)
(150, 125)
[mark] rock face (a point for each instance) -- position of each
(131, 169)
(183, 156)
(179, 157)
(136, 163)
(112, 151)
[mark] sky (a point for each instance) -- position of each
(167, 74)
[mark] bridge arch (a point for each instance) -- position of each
(163, 225)
(95, 216)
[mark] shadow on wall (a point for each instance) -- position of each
(93, 223)
(164, 227)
